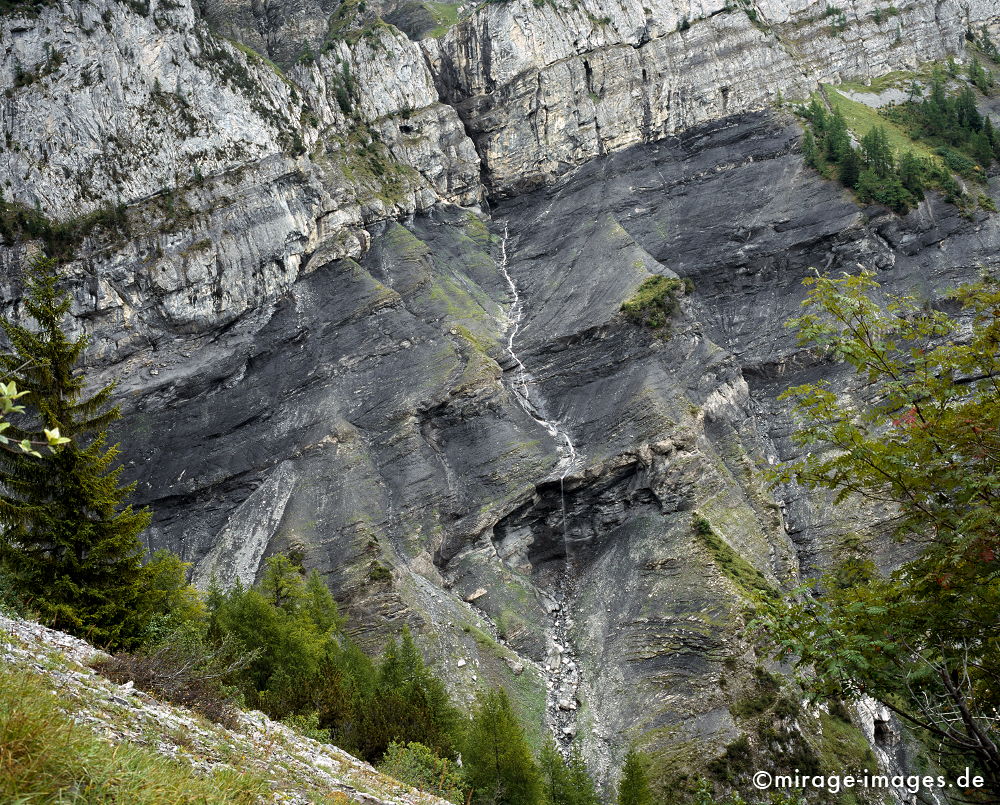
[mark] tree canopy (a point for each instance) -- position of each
(70, 541)
(922, 440)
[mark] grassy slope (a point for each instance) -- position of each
(861, 119)
(45, 757)
(70, 735)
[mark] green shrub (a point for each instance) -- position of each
(655, 301)
(423, 768)
(734, 763)
(308, 724)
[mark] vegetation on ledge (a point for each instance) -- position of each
(655, 301)
(905, 149)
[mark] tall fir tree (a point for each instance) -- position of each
(497, 759)
(70, 543)
(633, 788)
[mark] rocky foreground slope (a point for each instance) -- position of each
(300, 264)
(299, 770)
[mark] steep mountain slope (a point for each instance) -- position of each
(307, 314)
(289, 767)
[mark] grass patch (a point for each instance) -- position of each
(744, 575)
(898, 79)
(48, 758)
(364, 160)
(655, 301)
(861, 119)
(445, 15)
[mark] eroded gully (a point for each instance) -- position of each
(560, 666)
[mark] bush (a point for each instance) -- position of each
(184, 669)
(423, 768)
(655, 301)
(308, 725)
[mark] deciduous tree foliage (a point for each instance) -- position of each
(70, 541)
(923, 441)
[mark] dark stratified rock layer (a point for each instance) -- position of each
(366, 421)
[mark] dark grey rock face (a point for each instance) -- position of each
(366, 420)
(311, 324)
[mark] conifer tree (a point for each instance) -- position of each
(878, 153)
(980, 77)
(633, 789)
(555, 775)
(319, 604)
(838, 141)
(911, 172)
(850, 168)
(497, 759)
(580, 780)
(565, 782)
(413, 702)
(281, 583)
(809, 152)
(70, 543)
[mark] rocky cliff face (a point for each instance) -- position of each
(306, 298)
(544, 89)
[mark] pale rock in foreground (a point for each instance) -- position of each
(296, 765)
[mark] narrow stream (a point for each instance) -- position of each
(562, 673)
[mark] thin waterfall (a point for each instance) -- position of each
(522, 379)
(562, 673)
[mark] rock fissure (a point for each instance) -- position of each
(559, 667)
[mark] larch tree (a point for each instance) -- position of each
(497, 759)
(633, 788)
